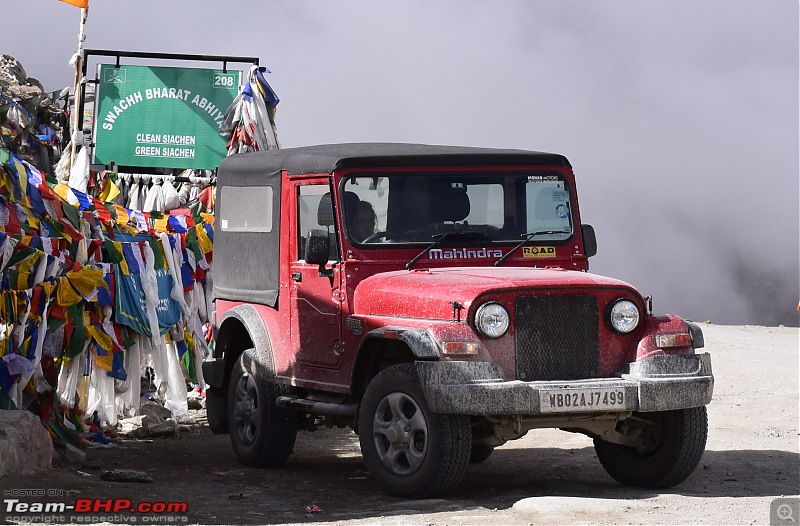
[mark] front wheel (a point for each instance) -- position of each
(262, 434)
(411, 451)
(674, 442)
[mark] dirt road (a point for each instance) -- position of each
(548, 477)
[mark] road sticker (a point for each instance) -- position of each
(538, 252)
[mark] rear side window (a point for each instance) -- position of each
(249, 209)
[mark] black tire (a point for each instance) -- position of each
(411, 451)
(480, 454)
(262, 434)
(677, 441)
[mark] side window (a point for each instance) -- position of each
(314, 212)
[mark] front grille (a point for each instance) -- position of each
(557, 337)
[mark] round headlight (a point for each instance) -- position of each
(492, 320)
(624, 316)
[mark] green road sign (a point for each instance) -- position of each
(162, 117)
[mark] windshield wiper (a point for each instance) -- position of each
(528, 237)
(439, 239)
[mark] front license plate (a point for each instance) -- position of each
(566, 400)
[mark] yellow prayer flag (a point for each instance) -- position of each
(22, 176)
(123, 265)
(27, 264)
(204, 241)
(22, 280)
(104, 362)
(110, 191)
(34, 222)
(122, 214)
(48, 288)
(66, 295)
(65, 192)
(102, 339)
(86, 280)
(78, 3)
(160, 225)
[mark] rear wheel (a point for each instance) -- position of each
(411, 451)
(262, 434)
(674, 444)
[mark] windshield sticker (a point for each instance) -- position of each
(559, 195)
(538, 252)
(464, 253)
(562, 211)
(542, 178)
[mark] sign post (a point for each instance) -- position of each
(162, 117)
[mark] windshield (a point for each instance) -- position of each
(418, 208)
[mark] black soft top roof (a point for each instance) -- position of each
(328, 157)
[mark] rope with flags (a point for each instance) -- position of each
(85, 290)
(249, 122)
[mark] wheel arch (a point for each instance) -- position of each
(387, 346)
(242, 328)
(239, 329)
(379, 350)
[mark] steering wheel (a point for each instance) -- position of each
(387, 235)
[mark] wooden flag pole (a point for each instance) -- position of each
(77, 85)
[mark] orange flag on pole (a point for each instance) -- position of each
(78, 3)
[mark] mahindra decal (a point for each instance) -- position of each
(464, 253)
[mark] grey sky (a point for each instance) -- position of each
(679, 117)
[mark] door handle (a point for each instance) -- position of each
(297, 276)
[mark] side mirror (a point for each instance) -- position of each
(318, 246)
(589, 240)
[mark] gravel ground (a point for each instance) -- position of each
(548, 477)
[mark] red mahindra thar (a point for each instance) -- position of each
(437, 300)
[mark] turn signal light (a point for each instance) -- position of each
(664, 341)
(451, 348)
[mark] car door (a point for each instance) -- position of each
(316, 306)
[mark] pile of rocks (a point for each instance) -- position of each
(34, 123)
(155, 420)
(15, 82)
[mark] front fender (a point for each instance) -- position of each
(426, 338)
(422, 344)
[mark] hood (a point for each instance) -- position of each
(430, 293)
